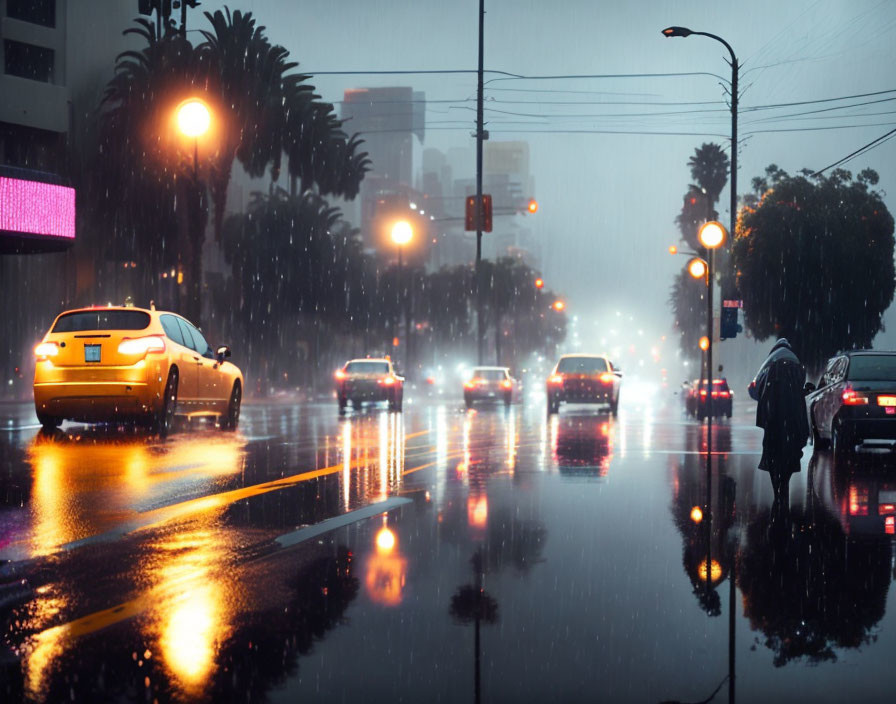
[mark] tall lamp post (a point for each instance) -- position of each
(685, 32)
(402, 233)
(193, 120)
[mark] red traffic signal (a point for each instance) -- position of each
(470, 216)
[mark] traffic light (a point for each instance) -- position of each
(470, 214)
(729, 327)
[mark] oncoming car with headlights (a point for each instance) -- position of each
(111, 364)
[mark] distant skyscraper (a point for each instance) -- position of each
(387, 119)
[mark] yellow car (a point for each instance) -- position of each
(108, 364)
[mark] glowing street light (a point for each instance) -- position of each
(533, 206)
(697, 268)
(402, 233)
(704, 343)
(673, 249)
(696, 514)
(539, 283)
(193, 118)
(712, 234)
(559, 306)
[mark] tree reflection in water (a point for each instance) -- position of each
(807, 587)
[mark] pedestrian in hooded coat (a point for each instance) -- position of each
(781, 413)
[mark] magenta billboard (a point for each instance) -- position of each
(35, 216)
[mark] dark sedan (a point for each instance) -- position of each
(854, 406)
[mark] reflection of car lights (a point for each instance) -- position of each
(858, 502)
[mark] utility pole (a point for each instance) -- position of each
(480, 136)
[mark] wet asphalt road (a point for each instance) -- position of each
(439, 555)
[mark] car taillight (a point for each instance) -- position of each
(886, 509)
(506, 384)
(556, 379)
(387, 380)
(703, 392)
(470, 384)
(890, 525)
(724, 394)
(340, 375)
(853, 398)
(606, 377)
(142, 345)
(46, 349)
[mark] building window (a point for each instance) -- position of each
(31, 148)
(34, 11)
(28, 61)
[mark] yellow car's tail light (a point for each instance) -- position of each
(142, 345)
(46, 349)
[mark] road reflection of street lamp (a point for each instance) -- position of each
(402, 234)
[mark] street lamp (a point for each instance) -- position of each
(559, 306)
(685, 32)
(697, 268)
(193, 119)
(402, 234)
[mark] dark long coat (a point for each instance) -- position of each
(782, 414)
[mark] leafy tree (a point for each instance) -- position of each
(709, 168)
(814, 261)
(689, 308)
(288, 265)
(262, 111)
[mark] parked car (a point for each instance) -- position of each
(372, 380)
(110, 364)
(584, 378)
(854, 403)
(490, 383)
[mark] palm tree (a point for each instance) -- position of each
(263, 110)
(709, 168)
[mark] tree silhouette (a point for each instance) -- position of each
(262, 111)
(814, 262)
(709, 168)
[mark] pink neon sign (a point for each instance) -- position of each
(36, 208)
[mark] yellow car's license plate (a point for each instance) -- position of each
(886, 400)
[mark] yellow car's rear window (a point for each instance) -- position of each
(102, 320)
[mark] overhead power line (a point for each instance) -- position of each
(873, 143)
